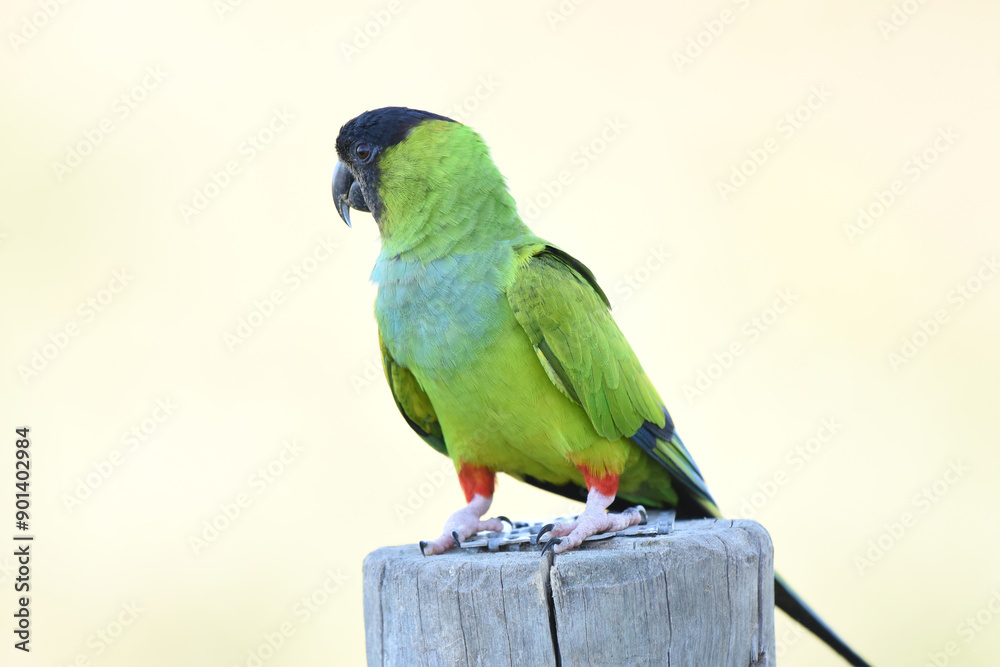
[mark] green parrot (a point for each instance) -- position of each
(499, 347)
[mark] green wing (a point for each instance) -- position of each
(412, 402)
(567, 318)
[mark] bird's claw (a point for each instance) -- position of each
(506, 521)
(551, 544)
(546, 528)
(454, 536)
(423, 545)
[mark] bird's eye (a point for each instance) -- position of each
(363, 151)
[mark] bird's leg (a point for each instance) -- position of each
(601, 490)
(477, 484)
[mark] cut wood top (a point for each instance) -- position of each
(701, 595)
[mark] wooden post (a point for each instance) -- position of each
(702, 595)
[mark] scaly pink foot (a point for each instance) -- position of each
(477, 484)
(595, 517)
(463, 524)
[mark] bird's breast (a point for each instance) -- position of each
(438, 316)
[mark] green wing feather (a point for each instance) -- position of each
(567, 318)
(412, 401)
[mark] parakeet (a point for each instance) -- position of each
(499, 347)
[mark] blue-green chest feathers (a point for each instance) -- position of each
(437, 316)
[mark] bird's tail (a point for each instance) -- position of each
(694, 501)
(786, 600)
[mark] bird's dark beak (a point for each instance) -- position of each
(347, 193)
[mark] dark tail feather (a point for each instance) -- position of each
(786, 600)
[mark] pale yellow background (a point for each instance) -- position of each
(310, 371)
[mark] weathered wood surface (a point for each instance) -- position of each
(701, 596)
